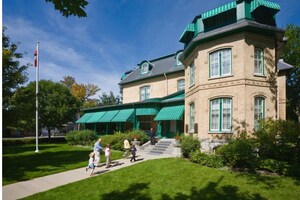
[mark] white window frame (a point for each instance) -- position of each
(144, 68)
(192, 74)
(259, 110)
(220, 63)
(220, 115)
(144, 93)
(259, 61)
(180, 84)
(177, 59)
(192, 118)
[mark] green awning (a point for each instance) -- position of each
(108, 116)
(84, 118)
(123, 115)
(219, 10)
(146, 111)
(170, 113)
(257, 3)
(95, 117)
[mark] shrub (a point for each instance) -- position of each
(238, 153)
(272, 165)
(85, 137)
(209, 160)
(279, 140)
(188, 145)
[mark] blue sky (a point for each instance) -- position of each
(114, 37)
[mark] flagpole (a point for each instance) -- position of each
(36, 99)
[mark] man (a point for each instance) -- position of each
(97, 149)
(152, 136)
(126, 148)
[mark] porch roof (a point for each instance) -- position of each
(170, 113)
(108, 116)
(95, 117)
(123, 115)
(84, 118)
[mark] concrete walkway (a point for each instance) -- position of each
(27, 188)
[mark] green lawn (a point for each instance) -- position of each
(175, 178)
(20, 162)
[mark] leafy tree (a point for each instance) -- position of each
(70, 7)
(56, 105)
(68, 81)
(13, 75)
(291, 55)
(106, 100)
(81, 91)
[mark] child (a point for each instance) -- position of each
(133, 150)
(107, 155)
(91, 164)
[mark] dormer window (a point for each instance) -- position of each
(177, 59)
(145, 68)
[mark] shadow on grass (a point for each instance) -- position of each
(134, 191)
(19, 149)
(17, 167)
(210, 192)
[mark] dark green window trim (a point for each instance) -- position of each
(259, 70)
(259, 104)
(220, 114)
(220, 63)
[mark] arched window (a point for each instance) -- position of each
(144, 68)
(220, 63)
(180, 84)
(192, 74)
(192, 118)
(259, 110)
(220, 114)
(258, 61)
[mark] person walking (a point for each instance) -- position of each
(97, 149)
(152, 136)
(133, 153)
(107, 155)
(126, 148)
(91, 164)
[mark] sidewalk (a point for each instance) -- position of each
(27, 188)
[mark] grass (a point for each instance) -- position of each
(21, 163)
(176, 178)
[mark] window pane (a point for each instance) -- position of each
(226, 112)
(215, 114)
(258, 61)
(180, 85)
(226, 61)
(144, 93)
(192, 117)
(214, 64)
(192, 74)
(258, 110)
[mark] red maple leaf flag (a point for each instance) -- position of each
(36, 56)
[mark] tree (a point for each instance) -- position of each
(70, 7)
(106, 100)
(291, 55)
(13, 75)
(68, 81)
(56, 106)
(81, 91)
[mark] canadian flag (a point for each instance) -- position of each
(36, 57)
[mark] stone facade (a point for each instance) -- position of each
(242, 85)
(160, 86)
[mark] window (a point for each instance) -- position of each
(192, 117)
(220, 114)
(192, 74)
(144, 93)
(177, 59)
(180, 85)
(259, 110)
(220, 63)
(144, 68)
(258, 61)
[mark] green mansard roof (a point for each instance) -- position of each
(261, 11)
